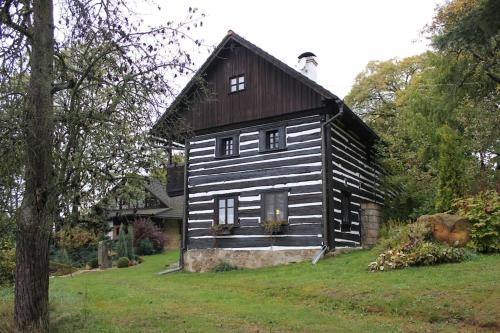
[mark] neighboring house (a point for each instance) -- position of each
(153, 203)
(267, 143)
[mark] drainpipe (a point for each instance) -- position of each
(325, 141)
(340, 104)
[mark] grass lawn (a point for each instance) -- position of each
(337, 295)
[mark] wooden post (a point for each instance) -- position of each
(186, 202)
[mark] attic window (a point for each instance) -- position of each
(237, 83)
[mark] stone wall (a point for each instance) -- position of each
(204, 260)
(371, 218)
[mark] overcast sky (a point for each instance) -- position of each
(345, 35)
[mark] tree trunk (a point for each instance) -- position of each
(31, 312)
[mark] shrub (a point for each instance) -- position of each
(273, 226)
(224, 267)
(483, 212)
(123, 262)
(80, 257)
(62, 257)
(413, 245)
(145, 247)
(7, 264)
(7, 249)
(145, 229)
(94, 263)
(76, 246)
(75, 238)
(401, 233)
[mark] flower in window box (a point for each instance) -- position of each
(222, 229)
(274, 226)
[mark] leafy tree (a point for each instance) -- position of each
(450, 169)
(77, 108)
(470, 28)
(430, 99)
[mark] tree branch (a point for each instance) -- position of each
(6, 19)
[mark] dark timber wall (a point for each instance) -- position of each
(355, 172)
(297, 169)
(269, 91)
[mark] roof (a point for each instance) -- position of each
(174, 205)
(157, 189)
(232, 36)
(150, 212)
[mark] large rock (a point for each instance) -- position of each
(451, 229)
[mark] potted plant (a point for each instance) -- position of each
(274, 226)
(222, 229)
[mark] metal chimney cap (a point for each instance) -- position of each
(306, 55)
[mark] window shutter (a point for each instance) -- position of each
(218, 147)
(282, 137)
(236, 145)
(262, 141)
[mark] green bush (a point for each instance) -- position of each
(396, 234)
(7, 264)
(122, 262)
(76, 257)
(224, 267)
(75, 238)
(94, 263)
(7, 249)
(413, 245)
(145, 247)
(483, 212)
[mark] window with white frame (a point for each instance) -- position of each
(227, 210)
(227, 146)
(275, 207)
(272, 139)
(237, 83)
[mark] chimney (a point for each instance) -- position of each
(308, 65)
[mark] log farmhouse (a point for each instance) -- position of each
(277, 168)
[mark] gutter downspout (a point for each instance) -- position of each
(324, 142)
(340, 104)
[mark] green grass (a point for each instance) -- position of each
(337, 295)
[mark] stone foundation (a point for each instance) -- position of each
(204, 260)
(371, 217)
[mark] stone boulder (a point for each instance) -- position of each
(451, 229)
(103, 257)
